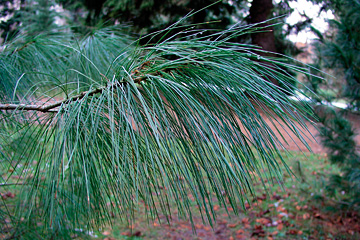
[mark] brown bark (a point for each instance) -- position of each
(260, 11)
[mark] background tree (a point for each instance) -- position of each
(261, 11)
(9, 10)
(338, 51)
(34, 16)
(149, 16)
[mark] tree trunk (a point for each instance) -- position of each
(260, 11)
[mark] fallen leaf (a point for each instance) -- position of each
(240, 231)
(258, 231)
(276, 197)
(232, 225)
(262, 213)
(306, 216)
(198, 226)
(292, 232)
(223, 221)
(245, 220)
(201, 234)
(241, 237)
(281, 209)
(263, 221)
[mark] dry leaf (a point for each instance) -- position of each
(241, 237)
(232, 225)
(292, 232)
(306, 216)
(245, 220)
(241, 231)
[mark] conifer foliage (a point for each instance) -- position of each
(95, 125)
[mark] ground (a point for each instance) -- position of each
(313, 136)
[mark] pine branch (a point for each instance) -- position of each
(42, 108)
(24, 46)
(51, 107)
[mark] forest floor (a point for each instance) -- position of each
(300, 209)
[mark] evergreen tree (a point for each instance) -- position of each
(339, 51)
(11, 15)
(34, 16)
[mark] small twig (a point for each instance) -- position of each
(11, 184)
(24, 46)
(50, 107)
(25, 107)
